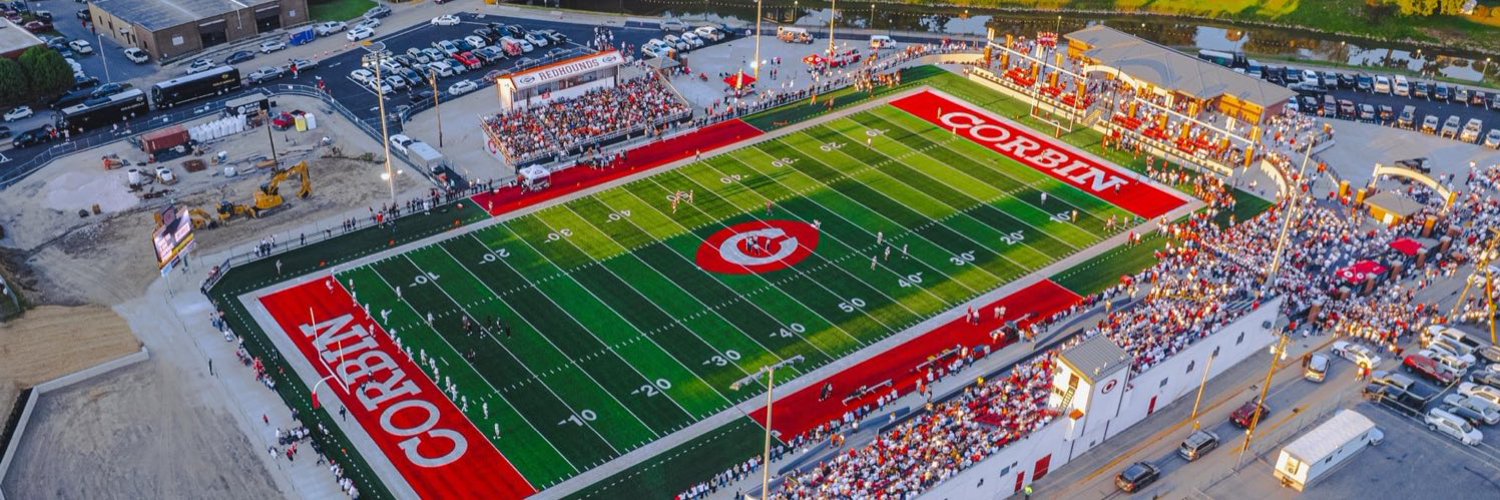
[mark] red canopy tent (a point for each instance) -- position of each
(1357, 273)
(1407, 246)
(813, 59)
(739, 80)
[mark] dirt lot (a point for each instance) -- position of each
(62, 258)
(53, 341)
(131, 434)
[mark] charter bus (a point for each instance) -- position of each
(1224, 59)
(104, 111)
(216, 81)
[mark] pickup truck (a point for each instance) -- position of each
(1400, 392)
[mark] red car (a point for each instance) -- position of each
(468, 59)
(38, 26)
(1427, 368)
(1246, 412)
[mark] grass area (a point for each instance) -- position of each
(337, 10)
(244, 278)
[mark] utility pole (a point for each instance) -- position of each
(770, 373)
(1201, 385)
(1482, 265)
(1294, 194)
(432, 77)
(1265, 388)
(271, 138)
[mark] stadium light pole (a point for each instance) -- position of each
(432, 77)
(755, 65)
(833, 15)
(1276, 354)
(770, 373)
(378, 48)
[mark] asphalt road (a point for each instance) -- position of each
(1425, 106)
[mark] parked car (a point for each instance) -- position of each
(371, 23)
(446, 46)
(81, 47)
(1357, 353)
(1386, 113)
(38, 26)
(468, 60)
(462, 88)
(1198, 444)
(396, 82)
(1450, 127)
(417, 55)
(264, 74)
(1480, 391)
(110, 89)
(330, 27)
(692, 38)
(709, 33)
(84, 83)
(1478, 99)
(1470, 415)
(1138, 475)
(377, 12)
(137, 56)
(18, 112)
(1441, 92)
(268, 47)
(445, 20)
(362, 75)
(477, 41)
(1452, 426)
(235, 57)
(1420, 90)
(490, 55)
(1246, 412)
(1382, 84)
(1492, 139)
(300, 65)
(1471, 131)
(1364, 83)
(1317, 367)
(1346, 109)
(1366, 112)
(1489, 412)
(441, 68)
(1427, 368)
(1430, 124)
(359, 33)
(1461, 95)
(39, 135)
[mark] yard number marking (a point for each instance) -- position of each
(1012, 238)
(731, 179)
(424, 278)
(784, 162)
(851, 305)
(650, 390)
(583, 416)
(730, 355)
(615, 216)
(559, 234)
(963, 258)
(499, 253)
(910, 280)
(829, 147)
(789, 331)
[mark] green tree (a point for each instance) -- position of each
(15, 88)
(50, 75)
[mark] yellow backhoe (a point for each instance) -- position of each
(268, 197)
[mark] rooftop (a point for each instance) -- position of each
(14, 38)
(1167, 68)
(1324, 439)
(1094, 357)
(161, 14)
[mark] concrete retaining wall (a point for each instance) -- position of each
(56, 384)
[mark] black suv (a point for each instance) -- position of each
(39, 135)
(1138, 475)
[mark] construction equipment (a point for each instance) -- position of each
(201, 219)
(269, 196)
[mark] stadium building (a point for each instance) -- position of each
(169, 29)
(1178, 76)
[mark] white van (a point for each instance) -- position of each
(878, 42)
(1447, 423)
(1402, 88)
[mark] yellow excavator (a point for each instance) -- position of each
(268, 197)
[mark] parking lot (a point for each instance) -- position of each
(1488, 113)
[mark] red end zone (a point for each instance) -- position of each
(434, 446)
(801, 411)
(642, 158)
(1041, 153)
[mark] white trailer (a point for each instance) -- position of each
(1324, 448)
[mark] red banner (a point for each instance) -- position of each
(434, 446)
(1038, 152)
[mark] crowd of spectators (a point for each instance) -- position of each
(573, 124)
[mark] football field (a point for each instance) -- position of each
(578, 332)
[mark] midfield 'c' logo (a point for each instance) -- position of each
(757, 247)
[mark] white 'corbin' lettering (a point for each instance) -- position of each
(1025, 149)
(381, 386)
